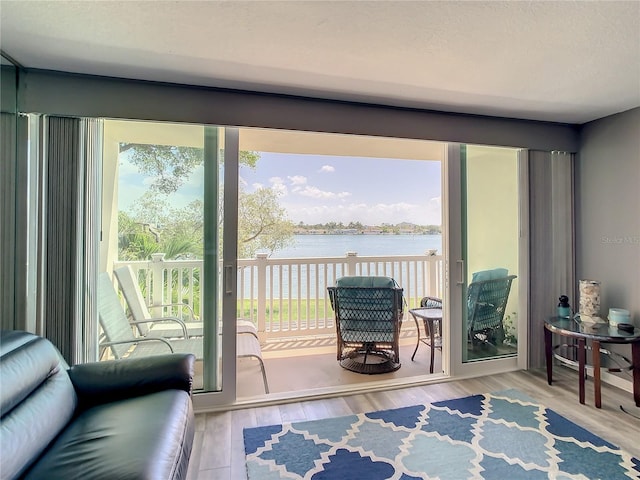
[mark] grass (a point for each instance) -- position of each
(290, 309)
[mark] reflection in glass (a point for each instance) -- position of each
(491, 250)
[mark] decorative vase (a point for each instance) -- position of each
(589, 300)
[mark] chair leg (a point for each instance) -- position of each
(248, 346)
(264, 375)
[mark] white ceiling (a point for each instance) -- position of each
(564, 61)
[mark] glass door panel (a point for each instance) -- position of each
(490, 247)
(160, 222)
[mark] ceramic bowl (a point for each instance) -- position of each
(619, 315)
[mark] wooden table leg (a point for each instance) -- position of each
(581, 368)
(548, 350)
(635, 361)
(595, 350)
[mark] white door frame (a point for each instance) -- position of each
(227, 287)
(455, 272)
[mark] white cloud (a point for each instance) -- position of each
(281, 189)
(327, 169)
(298, 180)
(277, 184)
(433, 212)
(315, 192)
(273, 180)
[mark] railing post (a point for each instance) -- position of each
(431, 289)
(261, 265)
(157, 280)
(352, 261)
(436, 275)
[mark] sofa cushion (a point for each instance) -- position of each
(37, 399)
(139, 438)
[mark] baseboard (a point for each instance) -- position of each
(606, 377)
(626, 385)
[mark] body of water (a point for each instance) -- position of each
(319, 246)
(363, 245)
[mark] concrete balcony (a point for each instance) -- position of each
(287, 301)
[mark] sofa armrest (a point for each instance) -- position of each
(102, 382)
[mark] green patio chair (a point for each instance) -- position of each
(487, 297)
(368, 314)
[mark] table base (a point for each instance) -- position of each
(369, 363)
(581, 351)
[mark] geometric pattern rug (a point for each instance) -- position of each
(502, 435)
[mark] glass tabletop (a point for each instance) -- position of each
(596, 331)
(427, 313)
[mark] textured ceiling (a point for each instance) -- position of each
(564, 61)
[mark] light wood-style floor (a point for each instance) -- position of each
(218, 451)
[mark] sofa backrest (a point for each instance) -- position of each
(37, 399)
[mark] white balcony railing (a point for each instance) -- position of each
(286, 297)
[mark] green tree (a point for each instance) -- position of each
(138, 238)
(153, 225)
(169, 166)
(262, 223)
(135, 242)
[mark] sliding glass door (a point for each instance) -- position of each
(173, 196)
(488, 263)
(162, 201)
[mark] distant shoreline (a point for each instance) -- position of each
(356, 228)
(366, 233)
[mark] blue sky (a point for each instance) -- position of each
(322, 188)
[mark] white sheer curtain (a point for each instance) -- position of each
(552, 251)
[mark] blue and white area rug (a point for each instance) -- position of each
(504, 435)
